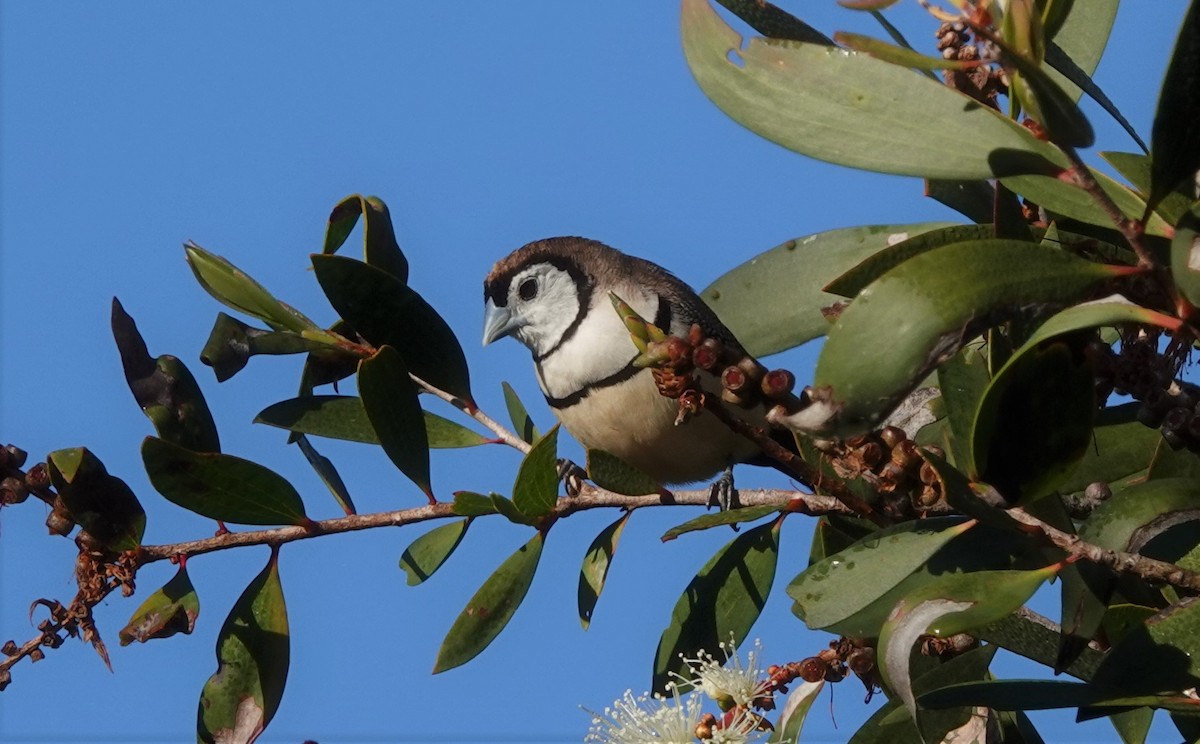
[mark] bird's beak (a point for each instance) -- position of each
(498, 322)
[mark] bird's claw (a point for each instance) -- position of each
(722, 494)
(571, 476)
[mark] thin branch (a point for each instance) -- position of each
(590, 498)
(502, 433)
(1132, 229)
(1147, 568)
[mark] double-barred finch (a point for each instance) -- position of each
(553, 296)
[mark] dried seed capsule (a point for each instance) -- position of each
(1176, 419)
(778, 383)
(60, 523)
(891, 436)
(16, 455)
(813, 669)
(734, 380)
(905, 455)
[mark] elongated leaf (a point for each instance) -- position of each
(614, 474)
(170, 610)
(1185, 256)
(390, 399)
(963, 380)
(1175, 138)
(231, 286)
(919, 313)
(1082, 37)
(521, 421)
(380, 248)
(327, 472)
(846, 582)
(164, 388)
(596, 563)
(1059, 197)
(1141, 512)
(1121, 451)
(428, 552)
(1034, 422)
(794, 711)
(795, 272)
(470, 504)
(851, 109)
(343, 417)
(220, 486)
(769, 20)
(253, 653)
(102, 504)
(897, 55)
(856, 279)
(1135, 168)
(954, 604)
(724, 599)
(491, 608)
(717, 519)
(536, 489)
(386, 312)
(1076, 79)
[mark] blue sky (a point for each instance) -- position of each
(126, 129)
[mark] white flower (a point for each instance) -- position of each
(743, 727)
(646, 720)
(733, 684)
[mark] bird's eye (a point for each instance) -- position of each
(528, 289)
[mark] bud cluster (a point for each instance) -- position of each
(16, 485)
(833, 664)
(983, 81)
(1146, 375)
(893, 465)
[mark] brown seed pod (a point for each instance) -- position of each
(892, 436)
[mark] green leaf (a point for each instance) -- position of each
(1185, 256)
(596, 563)
(1141, 512)
(851, 109)
(717, 519)
(253, 652)
(1135, 168)
(963, 380)
(795, 272)
(897, 55)
(1059, 197)
(509, 511)
(327, 472)
(221, 487)
(794, 711)
(521, 421)
(470, 504)
(390, 400)
(343, 417)
(1082, 37)
(232, 287)
(380, 248)
(231, 343)
(491, 608)
(164, 388)
(614, 474)
(723, 600)
(953, 604)
(170, 610)
(1071, 79)
(920, 313)
(1121, 451)
(856, 279)
(1014, 694)
(535, 491)
(769, 20)
(428, 552)
(386, 312)
(844, 583)
(1175, 138)
(1034, 421)
(101, 504)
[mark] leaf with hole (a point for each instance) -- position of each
(491, 608)
(851, 109)
(170, 610)
(221, 487)
(253, 654)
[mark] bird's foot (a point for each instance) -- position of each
(722, 494)
(571, 475)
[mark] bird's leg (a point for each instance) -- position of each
(571, 475)
(722, 494)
